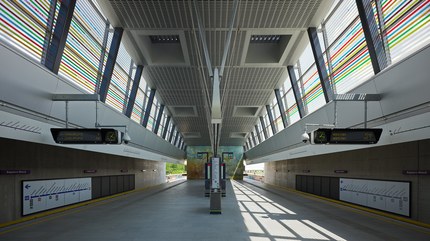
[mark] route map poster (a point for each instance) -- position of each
(388, 196)
(42, 195)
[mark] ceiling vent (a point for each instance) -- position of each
(191, 134)
(183, 111)
(267, 49)
(161, 47)
(238, 134)
(246, 111)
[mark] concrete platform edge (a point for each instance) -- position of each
(373, 211)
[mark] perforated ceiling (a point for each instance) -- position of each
(186, 82)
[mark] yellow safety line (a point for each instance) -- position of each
(63, 209)
(380, 213)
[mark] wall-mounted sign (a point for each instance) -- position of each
(14, 172)
(391, 196)
(306, 171)
(124, 170)
(340, 171)
(90, 171)
(416, 172)
(42, 195)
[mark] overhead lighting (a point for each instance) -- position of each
(157, 39)
(265, 39)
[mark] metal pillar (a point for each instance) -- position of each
(296, 91)
(171, 133)
(258, 133)
(58, 41)
(148, 108)
(176, 138)
(134, 88)
(270, 115)
(281, 107)
(166, 126)
(160, 115)
(253, 138)
(263, 125)
(110, 63)
(375, 45)
(320, 64)
(48, 31)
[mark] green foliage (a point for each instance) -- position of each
(172, 168)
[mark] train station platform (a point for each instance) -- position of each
(179, 211)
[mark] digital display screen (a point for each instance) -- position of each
(354, 136)
(346, 136)
(320, 137)
(85, 136)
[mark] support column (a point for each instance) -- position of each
(110, 63)
(270, 115)
(148, 108)
(133, 92)
(320, 64)
(166, 126)
(171, 133)
(375, 45)
(160, 115)
(263, 125)
(299, 101)
(251, 144)
(48, 31)
(258, 133)
(281, 108)
(176, 138)
(58, 42)
(102, 56)
(253, 138)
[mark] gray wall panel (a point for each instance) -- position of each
(325, 186)
(121, 183)
(317, 186)
(96, 187)
(113, 182)
(105, 186)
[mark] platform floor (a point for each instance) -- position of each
(181, 212)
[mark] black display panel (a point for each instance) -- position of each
(85, 136)
(346, 136)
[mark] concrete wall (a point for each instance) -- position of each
(48, 162)
(384, 163)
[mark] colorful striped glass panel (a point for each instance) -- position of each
(407, 26)
(23, 24)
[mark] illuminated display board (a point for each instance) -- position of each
(345, 136)
(85, 136)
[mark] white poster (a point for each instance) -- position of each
(47, 194)
(384, 195)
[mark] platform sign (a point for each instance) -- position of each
(42, 195)
(215, 173)
(388, 196)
